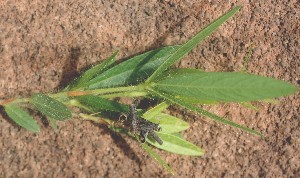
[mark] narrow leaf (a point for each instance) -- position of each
(169, 124)
(176, 145)
(176, 71)
(225, 86)
(146, 147)
(196, 100)
(51, 107)
(95, 71)
(249, 105)
(203, 112)
(178, 135)
(97, 104)
(189, 45)
(21, 117)
(157, 158)
(151, 113)
(272, 101)
(131, 71)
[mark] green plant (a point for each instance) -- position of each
(149, 76)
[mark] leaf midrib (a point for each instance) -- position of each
(193, 86)
(54, 110)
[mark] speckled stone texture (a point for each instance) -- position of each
(44, 44)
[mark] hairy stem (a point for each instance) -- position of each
(129, 91)
(101, 91)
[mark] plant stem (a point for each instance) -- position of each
(129, 91)
(14, 100)
(101, 91)
(125, 94)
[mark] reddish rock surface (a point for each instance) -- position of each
(45, 43)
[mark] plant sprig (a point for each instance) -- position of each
(149, 76)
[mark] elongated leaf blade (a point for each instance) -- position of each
(97, 104)
(131, 71)
(51, 107)
(189, 45)
(203, 112)
(176, 145)
(21, 117)
(249, 105)
(157, 158)
(178, 135)
(95, 71)
(168, 123)
(225, 86)
(146, 147)
(158, 109)
(194, 100)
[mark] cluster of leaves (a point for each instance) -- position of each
(149, 76)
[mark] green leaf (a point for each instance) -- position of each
(176, 71)
(151, 113)
(21, 117)
(176, 145)
(224, 86)
(146, 147)
(271, 101)
(189, 45)
(95, 71)
(249, 105)
(178, 135)
(157, 158)
(131, 71)
(216, 118)
(51, 107)
(96, 104)
(196, 100)
(169, 124)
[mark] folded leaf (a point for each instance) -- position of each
(94, 71)
(201, 111)
(192, 43)
(146, 147)
(224, 86)
(169, 124)
(249, 105)
(176, 145)
(194, 100)
(131, 71)
(51, 107)
(178, 135)
(158, 109)
(97, 104)
(21, 117)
